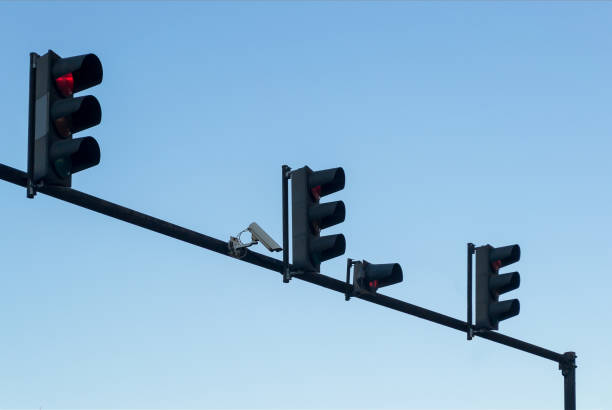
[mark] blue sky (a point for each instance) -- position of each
(455, 122)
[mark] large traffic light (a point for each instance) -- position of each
(54, 153)
(368, 277)
(490, 284)
(309, 217)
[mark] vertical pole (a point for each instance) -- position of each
(30, 191)
(568, 370)
(347, 292)
(286, 276)
(470, 252)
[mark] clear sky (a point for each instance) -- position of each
(455, 122)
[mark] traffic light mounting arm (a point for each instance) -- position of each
(470, 252)
(348, 290)
(30, 188)
(286, 174)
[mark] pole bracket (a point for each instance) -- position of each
(285, 175)
(30, 188)
(288, 274)
(470, 327)
(568, 364)
(348, 287)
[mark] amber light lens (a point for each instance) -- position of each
(63, 126)
(65, 84)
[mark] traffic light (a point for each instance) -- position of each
(309, 217)
(58, 115)
(490, 284)
(368, 277)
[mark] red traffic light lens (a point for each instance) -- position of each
(316, 192)
(65, 84)
(373, 284)
(496, 264)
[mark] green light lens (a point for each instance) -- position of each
(62, 167)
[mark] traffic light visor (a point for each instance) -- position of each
(506, 255)
(73, 155)
(386, 274)
(328, 214)
(76, 114)
(499, 284)
(499, 311)
(327, 247)
(86, 72)
(329, 180)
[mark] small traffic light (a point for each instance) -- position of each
(309, 217)
(58, 115)
(368, 277)
(490, 284)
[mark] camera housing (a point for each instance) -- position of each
(260, 235)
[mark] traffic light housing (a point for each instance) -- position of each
(490, 284)
(58, 115)
(309, 217)
(369, 277)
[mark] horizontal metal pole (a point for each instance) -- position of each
(13, 175)
(166, 228)
(137, 218)
(520, 345)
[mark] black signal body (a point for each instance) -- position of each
(490, 284)
(58, 115)
(309, 217)
(368, 277)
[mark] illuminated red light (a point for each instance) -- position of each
(316, 192)
(65, 84)
(373, 284)
(496, 264)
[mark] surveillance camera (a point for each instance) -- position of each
(260, 235)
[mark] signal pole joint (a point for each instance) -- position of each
(568, 370)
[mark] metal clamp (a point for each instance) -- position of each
(236, 248)
(288, 273)
(31, 188)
